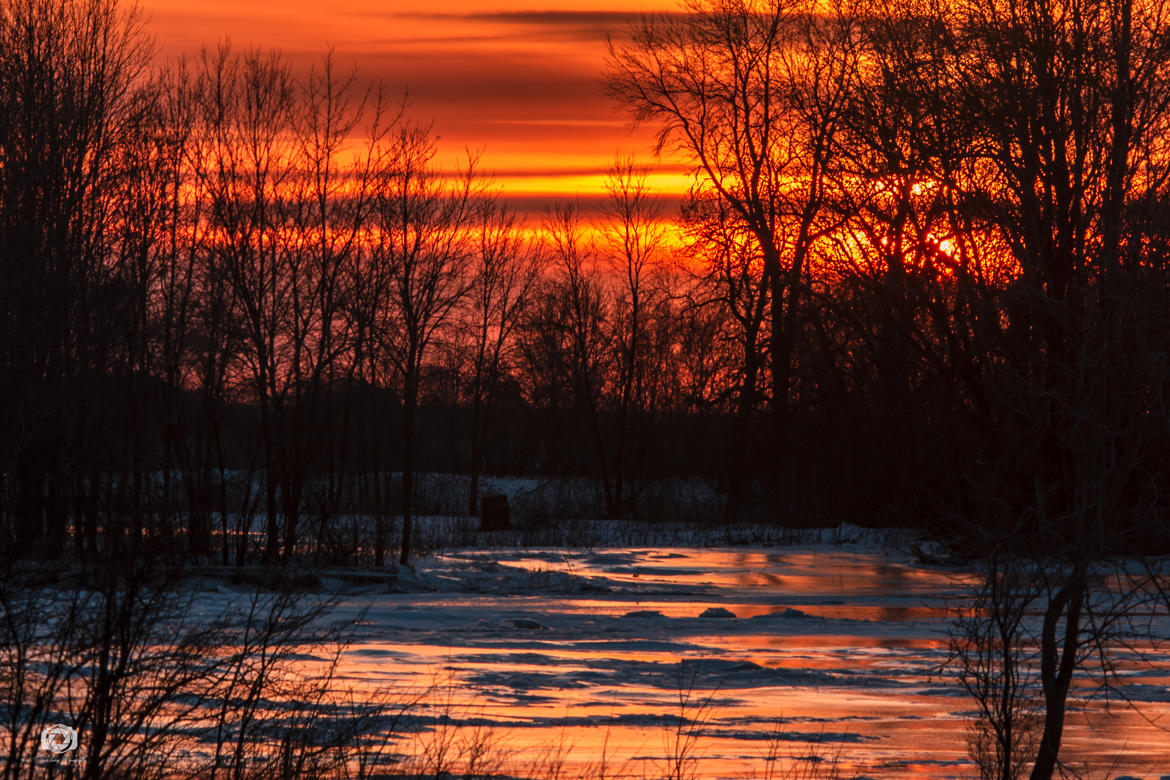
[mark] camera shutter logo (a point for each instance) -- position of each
(59, 738)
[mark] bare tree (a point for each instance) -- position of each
(1066, 103)
(992, 652)
(422, 220)
(330, 206)
(507, 263)
(635, 236)
(291, 204)
(69, 98)
(731, 278)
(573, 326)
(175, 303)
(246, 103)
(750, 95)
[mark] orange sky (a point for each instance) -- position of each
(519, 83)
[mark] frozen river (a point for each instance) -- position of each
(711, 661)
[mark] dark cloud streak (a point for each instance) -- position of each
(546, 17)
(575, 25)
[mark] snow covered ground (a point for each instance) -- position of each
(715, 659)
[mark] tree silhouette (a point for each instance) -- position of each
(749, 93)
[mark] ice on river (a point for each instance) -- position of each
(830, 650)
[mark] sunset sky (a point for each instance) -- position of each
(520, 84)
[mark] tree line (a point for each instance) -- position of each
(920, 276)
(949, 221)
(220, 267)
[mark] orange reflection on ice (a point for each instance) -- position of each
(839, 652)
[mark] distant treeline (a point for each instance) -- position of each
(921, 277)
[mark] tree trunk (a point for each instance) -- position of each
(1058, 658)
(409, 410)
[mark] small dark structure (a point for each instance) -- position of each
(494, 513)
